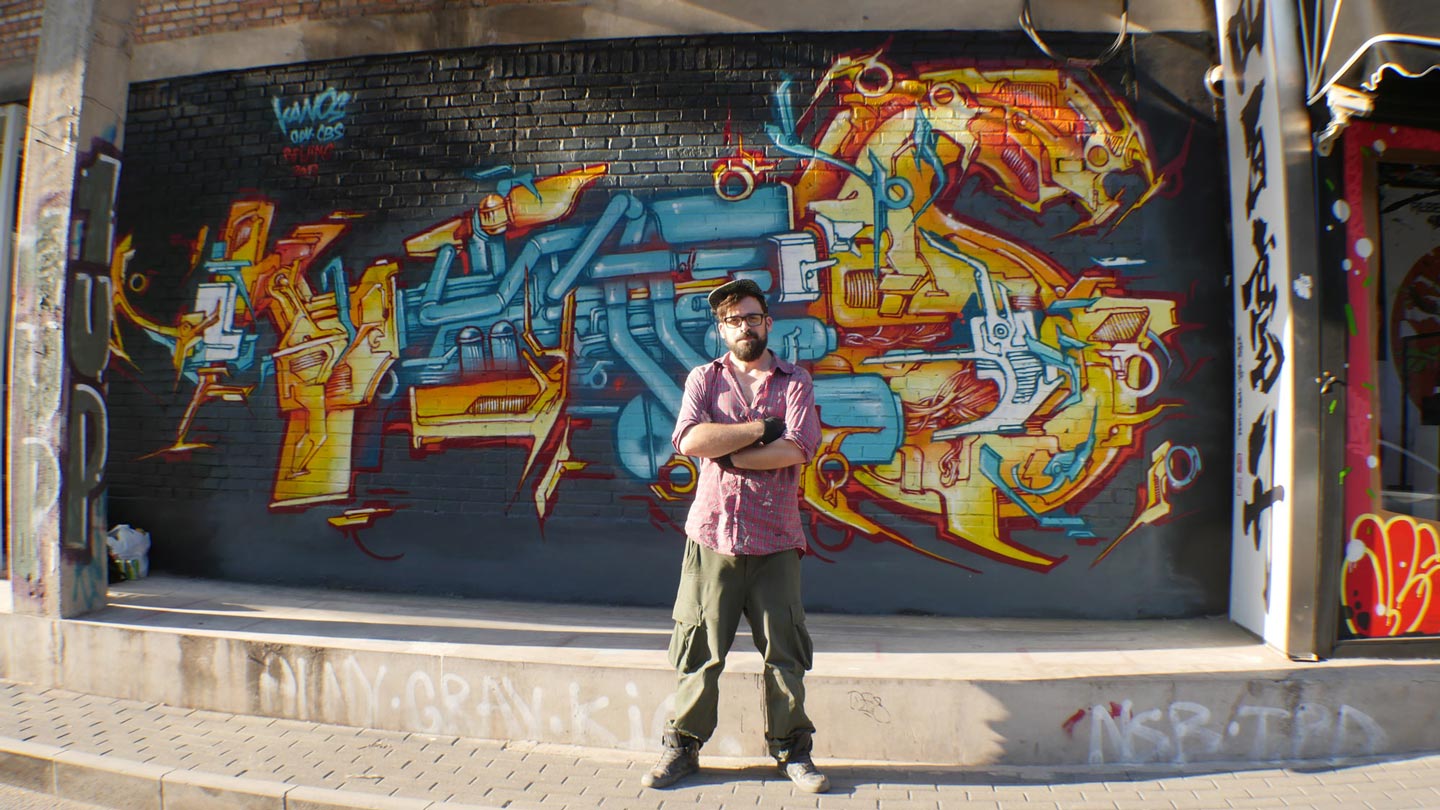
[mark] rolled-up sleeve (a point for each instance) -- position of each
(693, 408)
(802, 421)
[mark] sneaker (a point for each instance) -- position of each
(681, 758)
(802, 771)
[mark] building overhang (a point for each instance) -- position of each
(1351, 46)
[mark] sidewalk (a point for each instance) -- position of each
(127, 754)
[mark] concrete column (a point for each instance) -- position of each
(56, 435)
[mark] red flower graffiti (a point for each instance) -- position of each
(1391, 567)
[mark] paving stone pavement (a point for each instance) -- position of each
(434, 770)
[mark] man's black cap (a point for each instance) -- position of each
(739, 285)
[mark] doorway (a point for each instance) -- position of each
(1390, 212)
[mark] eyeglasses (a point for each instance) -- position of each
(752, 319)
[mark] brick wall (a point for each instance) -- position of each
(492, 416)
(19, 29)
(174, 19)
(178, 19)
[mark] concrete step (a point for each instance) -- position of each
(975, 692)
(133, 755)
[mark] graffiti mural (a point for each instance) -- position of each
(981, 383)
(1021, 384)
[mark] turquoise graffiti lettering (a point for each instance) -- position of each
(319, 118)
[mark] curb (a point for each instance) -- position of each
(124, 784)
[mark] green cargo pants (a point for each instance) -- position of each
(715, 590)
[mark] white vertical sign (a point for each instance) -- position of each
(1264, 380)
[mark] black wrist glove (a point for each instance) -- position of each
(774, 429)
(724, 462)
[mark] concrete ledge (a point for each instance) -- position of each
(320, 799)
(121, 784)
(309, 798)
(117, 784)
(197, 790)
(28, 765)
(970, 693)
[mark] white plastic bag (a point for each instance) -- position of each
(129, 547)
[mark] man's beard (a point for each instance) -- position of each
(748, 351)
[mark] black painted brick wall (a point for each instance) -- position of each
(657, 111)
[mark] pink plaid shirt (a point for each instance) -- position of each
(748, 511)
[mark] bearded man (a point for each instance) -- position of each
(750, 418)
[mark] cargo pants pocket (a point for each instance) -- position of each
(688, 649)
(804, 647)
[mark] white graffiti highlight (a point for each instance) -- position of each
(1186, 731)
(314, 686)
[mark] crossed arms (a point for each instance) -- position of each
(714, 440)
(697, 434)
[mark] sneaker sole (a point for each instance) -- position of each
(653, 784)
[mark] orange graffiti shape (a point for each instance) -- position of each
(1391, 566)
